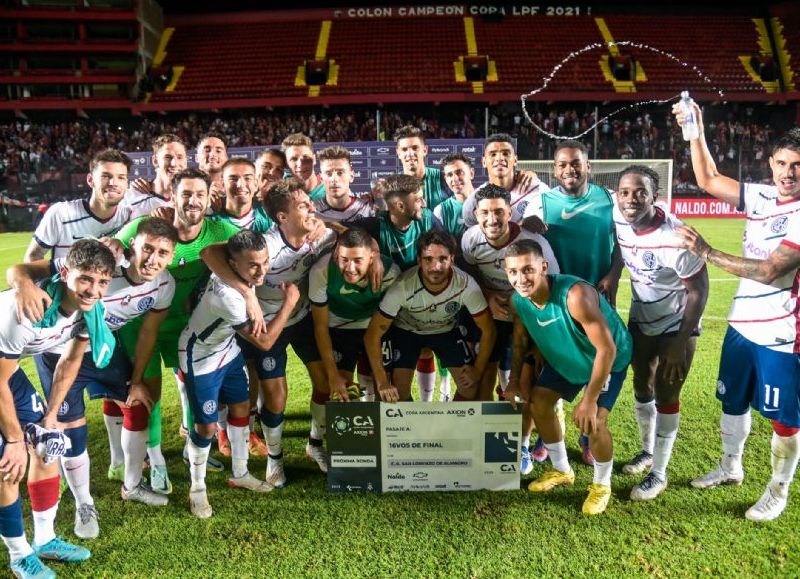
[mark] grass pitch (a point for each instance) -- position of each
(303, 530)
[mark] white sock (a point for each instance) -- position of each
(317, 421)
(18, 547)
(526, 441)
(666, 433)
(114, 430)
(222, 417)
(504, 376)
(197, 465)
(367, 385)
(734, 430)
(134, 444)
(44, 525)
(184, 400)
(426, 382)
(785, 454)
(646, 418)
(274, 437)
(602, 472)
(444, 387)
(238, 436)
(156, 456)
(77, 474)
(558, 456)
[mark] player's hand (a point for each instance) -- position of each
(164, 212)
(116, 247)
(512, 392)
(388, 393)
(319, 231)
(534, 224)
(525, 182)
(13, 462)
(254, 314)
(339, 386)
(291, 293)
(680, 117)
(216, 194)
(608, 287)
(376, 272)
(143, 186)
(584, 416)
(32, 302)
(139, 394)
(499, 305)
(676, 364)
(691, 239)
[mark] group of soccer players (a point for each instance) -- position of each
(213, 272)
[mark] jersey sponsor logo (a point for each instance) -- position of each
(649, 259)
(779, 225)
(126, 300)
(209, 407)
(114, 320)
(451, 307)
(570, 214)
(269, 363)
(547, 322)
(522, 207)
(145, 304)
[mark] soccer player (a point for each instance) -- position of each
(579, 216)
(412, 150)
(342, 303)
(102, 215)
(585, 347)
(340, 204)
(422, 309)
(270, 167)
(214, 368)
(191, 200)
(210, 156)
(670, 289)
(300, 160)
(239, 183)
(169, 159)
(500, 161)
(141, 288)
(292, 255)
(74, 316)
(758, 366)
(458, 174)
(483, 248)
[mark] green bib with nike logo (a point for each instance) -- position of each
(352, 301)
(581, 231)
(561, 340)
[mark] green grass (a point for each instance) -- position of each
(305, 531)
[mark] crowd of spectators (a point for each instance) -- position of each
(46, 162)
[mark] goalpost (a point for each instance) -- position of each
(606, 172)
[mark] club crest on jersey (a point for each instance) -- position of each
(209, 407)
(63, 409)
(451, 307)
(269, 363)
(649, 259)
(145, 304)
(126, 300)
(182, 261)
(720, 387)
(779, 225)
(337, 356)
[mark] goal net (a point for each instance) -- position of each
(606, 172)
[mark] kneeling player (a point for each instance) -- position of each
(76, 312)
(422, 308)
(585, 346)
(670, 289)
(342, 303)
(214, 368)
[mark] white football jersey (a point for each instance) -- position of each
(125, 300)
(491, 260)
(143, 203)
(657, 264)
(357, 209)
(68, 221)
(768, 314)
(23, 339)
(519, 204)
(208, 341)
(417, 310)
(289, 264)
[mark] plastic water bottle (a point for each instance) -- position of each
(690, 128)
